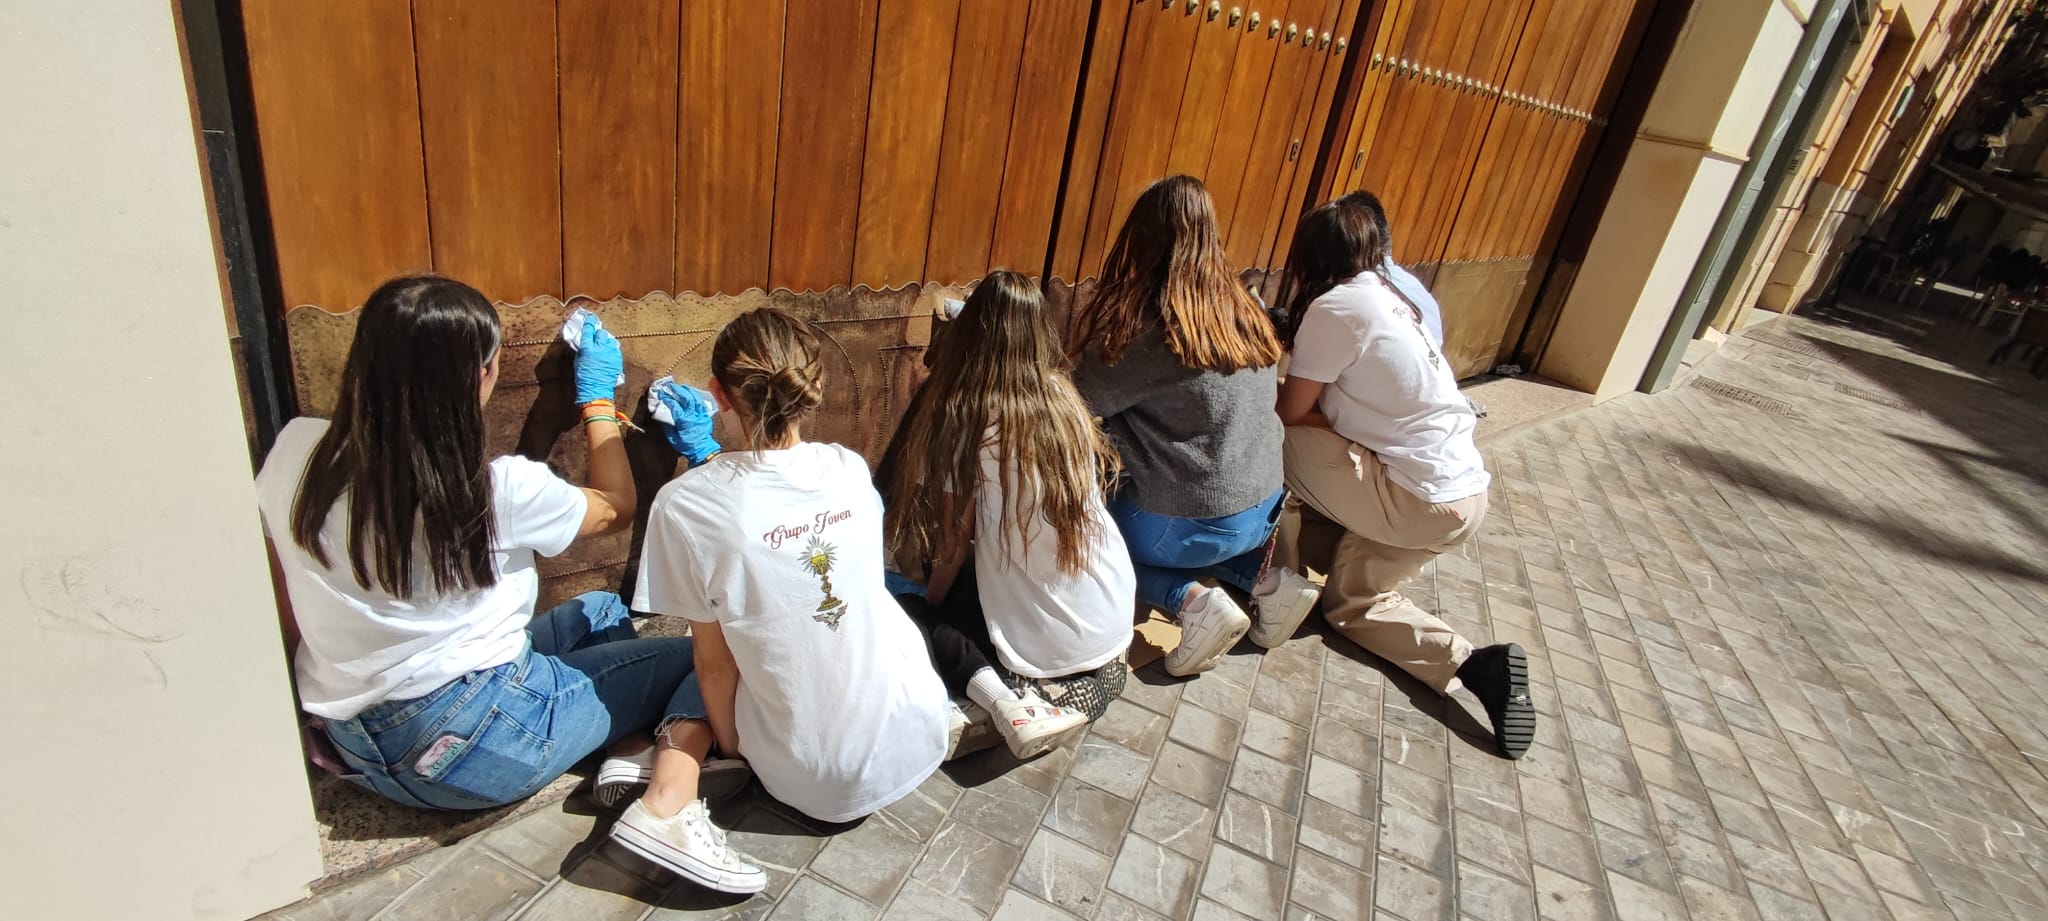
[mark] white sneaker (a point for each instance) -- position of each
(1281, 611)
(688, 845)
(621, 779)
(1207, 631)
(1032, 727)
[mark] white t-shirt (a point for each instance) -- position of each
(838, 708)
(1045, 623)
(361, 646)
(1390, 390)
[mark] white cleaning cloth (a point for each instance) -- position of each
(572, 333)
(683, 392)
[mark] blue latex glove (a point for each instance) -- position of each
(598, 365)
(690, 433)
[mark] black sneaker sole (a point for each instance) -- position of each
(1515, 726)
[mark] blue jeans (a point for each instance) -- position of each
(1168, 552)
(497, 735)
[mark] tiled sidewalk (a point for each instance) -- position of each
(1789, 659)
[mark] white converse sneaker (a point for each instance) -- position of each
(1281, 611)
(621, 779)
(688, 845)
(1032, 727)
(1207, 630)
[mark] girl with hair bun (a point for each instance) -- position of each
(810, 670)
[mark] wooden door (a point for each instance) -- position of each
(1233, 96)
(621, 147)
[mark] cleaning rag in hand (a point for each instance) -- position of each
(681, 393)
(572, 333)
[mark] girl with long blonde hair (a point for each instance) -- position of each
(996, 485)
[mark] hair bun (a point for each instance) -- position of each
(794, 390)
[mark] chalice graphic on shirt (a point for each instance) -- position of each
(818, 558)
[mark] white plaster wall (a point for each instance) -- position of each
(1705, 66)
(1636, 267)
(1769, 58)
(1700, 125)
(153, 769)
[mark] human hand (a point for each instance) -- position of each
(688, 426)
(599, 365)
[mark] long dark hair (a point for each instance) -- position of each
(1335, 241)
(406, 447)
(999, 364)
(767, 361)
(1168, 268)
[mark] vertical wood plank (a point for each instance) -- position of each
(1387, 38)
(337, 110)
(730, 87)
(1328, 66)
(1435, 169)
(1259, 202)
(1139, 29)
(1486, 62)
(906, 119)
(828, 53)
(1282, 128)
(1202, 94)
(1091, 126)
(979, 102)
(618, 98)
(1250, 75)
(1154, 108)
(1038, 133)
(494, 192)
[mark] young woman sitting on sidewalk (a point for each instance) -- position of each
(1048, 588)
(809, 668)
(1379, 441)
(1178, 359)
(409, 561)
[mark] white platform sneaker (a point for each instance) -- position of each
(688, 845)
(1281, 611)
(1207, 630)
(1031, 727)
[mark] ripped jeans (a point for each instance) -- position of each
(497, 735)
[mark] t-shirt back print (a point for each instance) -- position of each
(817, 558)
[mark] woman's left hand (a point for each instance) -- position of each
(599, 364)
(691, 433)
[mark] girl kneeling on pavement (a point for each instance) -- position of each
(1048, 589)
(409, 557)
(1379, 441)
(810, 670)
(1178, 359)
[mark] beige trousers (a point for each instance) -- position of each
(1382, 535)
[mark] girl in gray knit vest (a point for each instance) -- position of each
(1179, 361)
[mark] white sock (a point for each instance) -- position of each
(986, 687)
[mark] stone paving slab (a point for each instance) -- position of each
(1787, 654)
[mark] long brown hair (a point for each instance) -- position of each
(999, 366)
(1334, 241)
(405, 449)
(767, 361)
(1168, 269)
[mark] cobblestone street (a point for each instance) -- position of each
(1785, 625)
